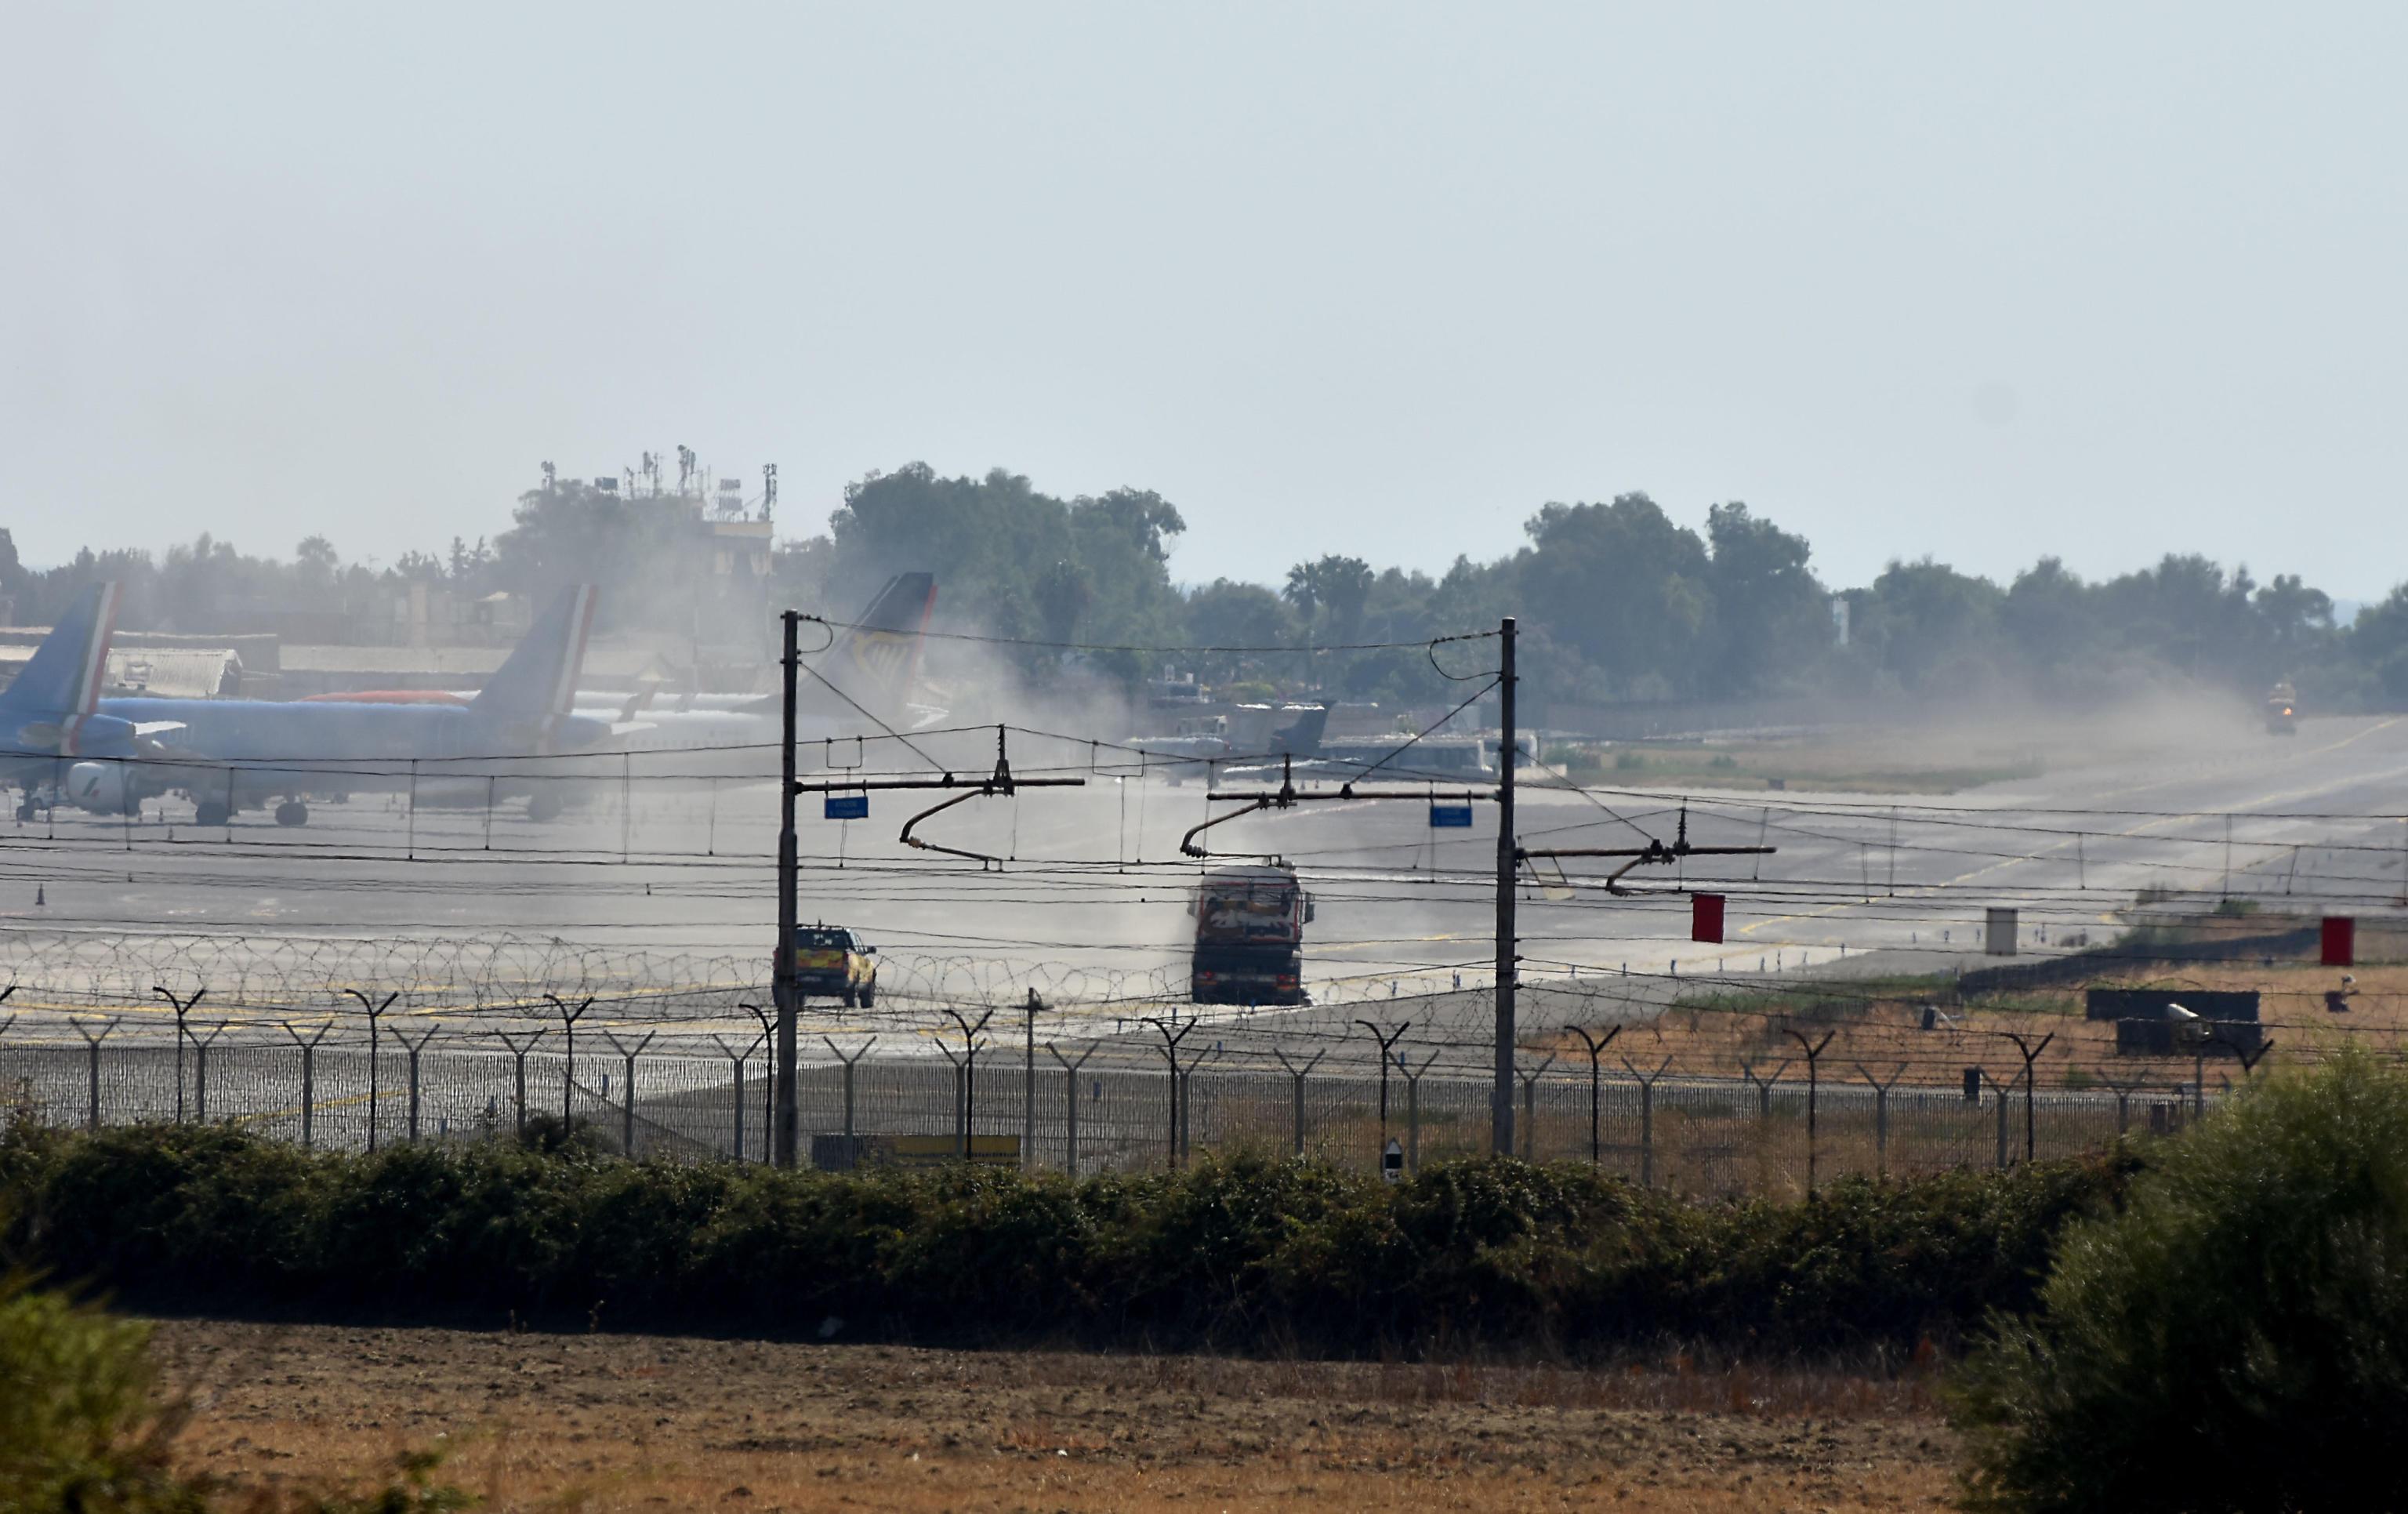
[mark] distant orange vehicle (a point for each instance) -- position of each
(2283, 710)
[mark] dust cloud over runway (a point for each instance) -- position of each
(659, 890)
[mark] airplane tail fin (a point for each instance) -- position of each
(877, 661)
(1302, 738)
(539, 678)
(64, 677)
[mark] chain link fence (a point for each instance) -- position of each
(697, 1098)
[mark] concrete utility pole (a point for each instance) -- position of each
(781, 978)
(1502, 1098)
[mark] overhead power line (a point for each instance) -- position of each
(1171, 649)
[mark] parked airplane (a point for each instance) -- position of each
(875, 663)
(232, 755)
(1448, 759)
(1203, 744)
(50, 715)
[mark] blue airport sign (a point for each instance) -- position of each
(1450, 817)
(846, 807)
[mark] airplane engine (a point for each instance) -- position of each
(101, 788)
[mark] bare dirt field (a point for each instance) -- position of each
(626, 1423)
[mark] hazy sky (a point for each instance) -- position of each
(2101, 281)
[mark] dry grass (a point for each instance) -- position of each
(1879, 1025)
(1718, 1147)
(631, 1423)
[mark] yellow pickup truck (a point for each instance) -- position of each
(834, 962)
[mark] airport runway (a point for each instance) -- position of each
(657, 893)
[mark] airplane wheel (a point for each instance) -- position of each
(209, 814)
(544, 808)
(292, 813)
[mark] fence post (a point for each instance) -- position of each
(1596, 1045)
(1187, 1105)
(1763, 1108)
(1881, 1117)
(309, 1080)
(92, 1118)
(849, 1064)
(768, 1023)
(736, 1059)
(2031, 1078)
(568, 1018)
(414, 1048)
(518, 1058)
(1530, 1109)
(1070, 1104)
(1647, 1082)
(1170, 1054)
(1763, 1086)
(627, 1094)
(2003, 1121)
(1297, 1081)
(1414, 1114)
(375, 1014)
(1814, 1085)
(961, 1142)
(2124, 1092)
(201, 1072)
(1386, 1043)
(183, 1008)
(965, 1074)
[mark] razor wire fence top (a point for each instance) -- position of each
(70, 982)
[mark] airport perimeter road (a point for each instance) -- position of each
(1088, 905)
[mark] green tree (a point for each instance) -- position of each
(1341, 586)
(2377, 647)
(1227, 614)
(2235, 1336)
(1064, 593)
(1303, 590)
(1770, 617)
(1927, 628)
(2048, 618)
(2298, 620)
(1626, 589)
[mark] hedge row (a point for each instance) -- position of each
(1234, 1254)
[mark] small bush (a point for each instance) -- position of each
(2235, 1338)
(78, 1428)
(557, 1135)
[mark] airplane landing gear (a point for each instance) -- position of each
(292, 813)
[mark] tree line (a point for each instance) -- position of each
(1617, 601)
